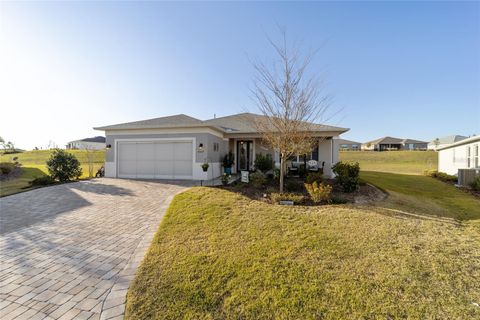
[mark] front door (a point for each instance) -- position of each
(244, 155)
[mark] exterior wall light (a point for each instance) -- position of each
(200, 148)
(108, 146)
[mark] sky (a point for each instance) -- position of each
(402, 69)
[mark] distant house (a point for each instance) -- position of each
(445, 141)
(390, 143)
(463, 154)
(95, 143)
(348, 145)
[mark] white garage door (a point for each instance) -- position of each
(155, 159)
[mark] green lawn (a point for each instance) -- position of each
(415, 255)
(408, 162)
(425, 195)
(219, 255)
(34, 165)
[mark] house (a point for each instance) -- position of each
(390, 143)
(445, 141)
(95, 143)
(175, 147)
(348, 145)
(463, 154)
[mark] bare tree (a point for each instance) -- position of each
(290, 102)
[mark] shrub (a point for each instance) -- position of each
(63, 166)
(440, 176)
(347, 175)
(6, 167)
(476, 184)
(293, 185)
(314, 177)
(319, 192)
(263, 163)
(277, 197)
(42, 181)
(258, 178)
(338, 200)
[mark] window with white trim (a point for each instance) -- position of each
(469, 157)
(475, 156)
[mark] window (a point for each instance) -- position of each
(469, 157)
(216, 146)
(475, 155)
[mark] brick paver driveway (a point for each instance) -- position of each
(70, 251)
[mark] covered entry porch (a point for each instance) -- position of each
(245, 150)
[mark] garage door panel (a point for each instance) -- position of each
(164, 168)
(164, 151)
(127, 169)
(146, 168)
(155, 160)
(146, 151)
(183, 151)
(182, 168)
(127, 151)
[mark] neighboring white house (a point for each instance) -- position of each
(463, 154)
(95, 143)
(445, 141)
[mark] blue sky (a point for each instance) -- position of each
(405, 69)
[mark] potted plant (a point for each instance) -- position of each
(205, 167)
(225, 178)
(228, 163)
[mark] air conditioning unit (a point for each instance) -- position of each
(466, 176)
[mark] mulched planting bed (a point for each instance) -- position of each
(364, 194)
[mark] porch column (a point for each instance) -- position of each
(328, 153)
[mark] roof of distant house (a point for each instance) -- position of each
(448, 139)
(344, 141)
(385, 140)
(392, 140)
(461, 142)
(237, 123)
(413, 141)
(98, 139)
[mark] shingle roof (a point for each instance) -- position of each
(461, 142)
(95, 139)
(237, 123)
(449, 139)
(413, 141)
(245, 123)
(343, 141)
(179, 120)
(386, 140)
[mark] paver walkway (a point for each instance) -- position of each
(70, 251)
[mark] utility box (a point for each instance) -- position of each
(466, 176)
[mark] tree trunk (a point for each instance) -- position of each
(282, 172)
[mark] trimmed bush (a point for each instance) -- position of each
(263, 163)
(347, 175)
(319, 192)
(314, 177)
(476, 184)
(296, 198)
(294, 185)
(42, 181)
(441, 176)
(6, 167)
(258, 178)
(63, 166)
